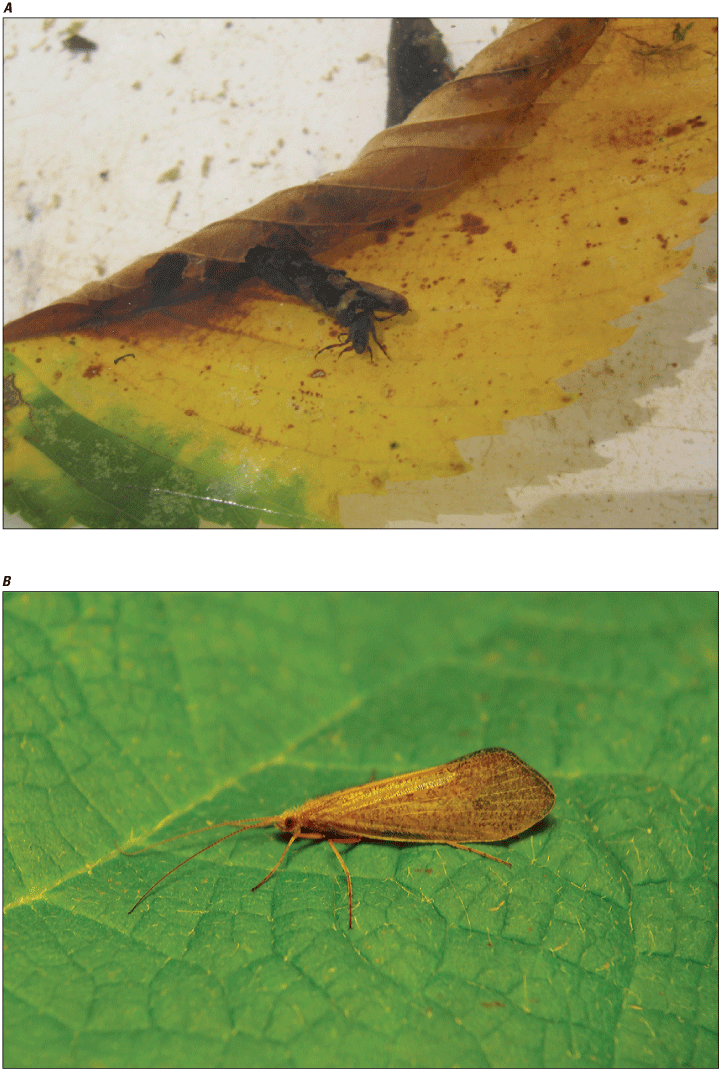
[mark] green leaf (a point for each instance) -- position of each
(67, 469)
(133, 717)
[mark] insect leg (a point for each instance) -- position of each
(347, 871)
(481, 853)
(380, 345)
(348, 348)
(275, 867)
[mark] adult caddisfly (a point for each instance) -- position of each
(484, 797)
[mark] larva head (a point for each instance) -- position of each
(357, 309)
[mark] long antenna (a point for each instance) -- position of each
(196, 831)
(255, 824)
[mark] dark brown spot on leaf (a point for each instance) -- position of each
(472, 224)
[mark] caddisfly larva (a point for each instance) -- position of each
(354, 305)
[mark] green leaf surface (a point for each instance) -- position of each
(132, 717)
(107, 478)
